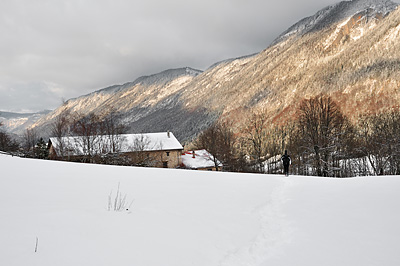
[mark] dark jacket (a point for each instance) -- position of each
(286, 159)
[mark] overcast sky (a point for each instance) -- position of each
(52, 50)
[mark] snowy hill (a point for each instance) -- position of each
(181, 217)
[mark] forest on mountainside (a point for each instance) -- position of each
(320, 139)
(356, 61)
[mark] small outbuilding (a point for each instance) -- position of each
(200, 160)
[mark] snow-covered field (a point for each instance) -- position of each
(196, 218)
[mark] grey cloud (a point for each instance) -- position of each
(28, 96)
(80, 46)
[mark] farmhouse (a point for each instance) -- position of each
(148, 149)
(200, 160)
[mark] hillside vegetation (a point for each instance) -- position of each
(360, 68)
(349, 51)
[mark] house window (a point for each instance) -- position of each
(165, 164)
(167, 153)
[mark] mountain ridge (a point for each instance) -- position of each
(174, 72)
(342, 60)
(334, 14)
(16, 123)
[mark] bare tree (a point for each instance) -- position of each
(229, 155)
(88, 132)
(379, 134)
(113, 129)
(320, 130)
(140, 146)
(7, 144)
(59, 130)
(276, 141)
(256, 135)
(30, 139)
(210, 139)
(220, 141)
(4, 139)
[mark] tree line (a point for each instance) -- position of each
(321, 140)
(96, 138)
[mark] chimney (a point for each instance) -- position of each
(168, 134)
(194, 154)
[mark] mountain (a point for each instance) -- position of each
(17, 123)
(148, 104)
(355, 60)
(334, 14)
(350, 50)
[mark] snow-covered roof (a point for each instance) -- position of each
(202, 159)
(162, 141)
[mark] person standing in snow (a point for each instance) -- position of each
(286, 160)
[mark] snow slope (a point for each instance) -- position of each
(334, 14)
(181, 217)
